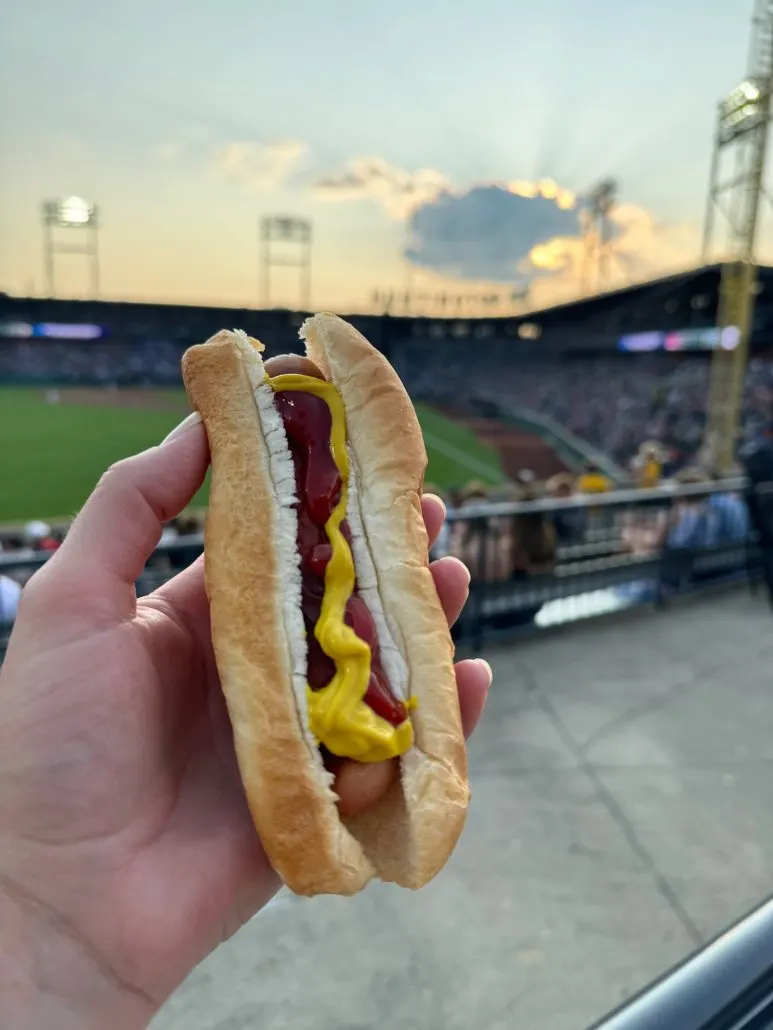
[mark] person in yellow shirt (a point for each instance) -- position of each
(593, 481)
(649, 467)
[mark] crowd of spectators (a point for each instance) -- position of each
(693, 539)
(145, 362)
(612, 401)
(514, 548)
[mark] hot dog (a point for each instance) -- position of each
(332, 648)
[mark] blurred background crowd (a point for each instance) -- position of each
(611, 401)
(614, 402)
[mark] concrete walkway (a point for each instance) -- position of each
(622, 814)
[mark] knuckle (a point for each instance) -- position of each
(117, 475)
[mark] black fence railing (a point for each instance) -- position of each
(545, 562)
(535, 564)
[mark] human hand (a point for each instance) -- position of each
(127, 852)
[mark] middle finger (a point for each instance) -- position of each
(452, 582)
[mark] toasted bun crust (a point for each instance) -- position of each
(408, 836)
(288, 793)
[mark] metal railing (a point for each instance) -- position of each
(728, 985)
(540, 563)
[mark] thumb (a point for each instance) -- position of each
(120, 525)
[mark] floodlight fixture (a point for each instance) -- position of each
(70, 213)
(287, 231)
(743, 110)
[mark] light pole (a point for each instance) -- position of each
(75, 215)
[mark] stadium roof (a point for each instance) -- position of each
(697, 286)
(686, 300)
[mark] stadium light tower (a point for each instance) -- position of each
(76, 216)
(597, 235)
(286, 231)
(741, 140)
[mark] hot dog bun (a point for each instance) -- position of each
(253, 585)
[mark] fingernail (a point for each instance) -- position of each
(192, 420)
(439, 500)
(461, 565)
(487, 667)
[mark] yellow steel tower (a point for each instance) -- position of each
(740, 145)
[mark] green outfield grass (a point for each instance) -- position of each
(51, 455)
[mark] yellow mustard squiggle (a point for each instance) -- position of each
(339, 718)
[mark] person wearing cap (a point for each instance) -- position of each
(34, 532)
(689, 525)
(533, 538)
(560, 485)
(686, 530)
(729, 517)
(648, 466)
(526, 478)
(39, 536)
(527, 548)
(568, 523)
(595, 519)
(479, 542)
(593, 480)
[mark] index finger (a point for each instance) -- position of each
(360, 786)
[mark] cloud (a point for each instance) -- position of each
(522, 234)
(260, 166)
(642, 248)
(508, 241)
(645, 244)
(371, 178)
(487, 231)
(495, 232)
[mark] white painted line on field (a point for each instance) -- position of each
(467, 460)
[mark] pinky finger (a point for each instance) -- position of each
(473, 679)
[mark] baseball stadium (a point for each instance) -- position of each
(603, 452)
(541, 449)
(73, 406)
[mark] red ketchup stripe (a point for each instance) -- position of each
(307, 422)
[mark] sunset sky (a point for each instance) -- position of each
(412, 133)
